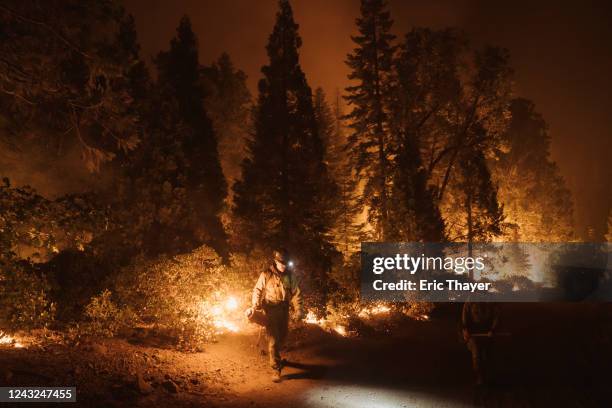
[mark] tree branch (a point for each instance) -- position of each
(48, 27)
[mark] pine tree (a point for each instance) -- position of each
(178, 166)
(227, 101)
(345, 232)
(473, 212)
(371, 67)
(423, 85)
(471, 207)
(414, 212)
(282, 197)
(476, 117)
(484, 214)
(325, 119)
(468, 132)
(535, 197)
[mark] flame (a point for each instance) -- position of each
(311, 318)
(222, 324)
(224, 313)
(374, 310)
(5, 339)
(341, 330)
(231, 303)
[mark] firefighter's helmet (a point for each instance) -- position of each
(281, 255)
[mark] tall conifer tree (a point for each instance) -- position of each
(424, 83)
(228, 103)
(535, 196)
(477, 120)
(282, 199)
(189, 144)
(345, 230)
(371, 64)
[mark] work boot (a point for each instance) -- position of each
(276, 377)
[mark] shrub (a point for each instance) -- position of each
(182, 293)
(24, 300)
(104, 317)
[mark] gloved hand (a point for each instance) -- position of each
(249, 312)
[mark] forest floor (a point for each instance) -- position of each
(555, 355)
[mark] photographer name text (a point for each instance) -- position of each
(431, 285)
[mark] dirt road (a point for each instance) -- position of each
(557, 355)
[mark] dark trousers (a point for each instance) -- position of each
(480, 347)
(277, 327)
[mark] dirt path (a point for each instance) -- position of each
(555, 357)
(326, 370)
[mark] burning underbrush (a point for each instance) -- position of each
(188, 299)
(30, 339)
(356, 319)
(10, 341)
(226, 312)
(195, 297)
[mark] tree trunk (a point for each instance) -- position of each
(381, 143)
(470, 238)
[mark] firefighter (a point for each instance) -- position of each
(479, 320)
(276, 288)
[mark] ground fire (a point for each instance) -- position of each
(226, 313)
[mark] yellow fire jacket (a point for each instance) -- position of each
(274, 287)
